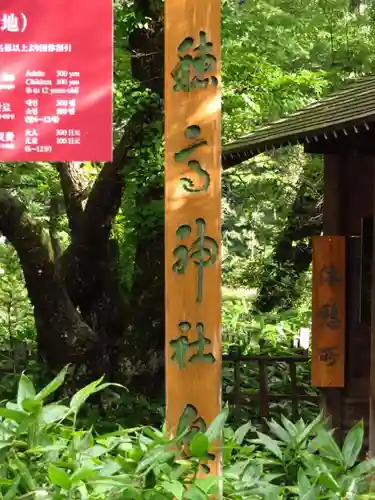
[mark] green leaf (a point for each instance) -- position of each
(82, 395)
(304, 484)
(52, 413)
(59, 477)
(270, 444)
(31, 405)
(26, 389)
(16, 416)
(364, 468)
(26, 477)
(155, 435)
(188, 416)
(87, 441)
(153, 457)
(238, 467)
(279, 431)
(195, 493)
(82, 489)
(326, 478)
(5, 482)
(7, 444)
(353, 444)
(309, 429)
(101, 387)
(83, 475)
(199, 445)
(289, 426)
(13, 490)
(241, 433)
(96, 451)
(310, 495)
(53, 385)
(174, 487)
(215, 429)
(109, 468)
(326, 445)
(352, 489)
(208, 484)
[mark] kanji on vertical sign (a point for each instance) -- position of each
(328, 312)
(56, 80)
(192, 211)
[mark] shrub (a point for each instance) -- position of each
(43, 455)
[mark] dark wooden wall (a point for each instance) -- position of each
(349, 182)
(359, 204)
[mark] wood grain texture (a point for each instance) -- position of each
(334, 221)
(372, 366)
(198, 383)
(328, 312)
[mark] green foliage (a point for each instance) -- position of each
(17, 333)
(259, 333)
(307, 457)
(44, 455)
(279, 55)
(273, 334)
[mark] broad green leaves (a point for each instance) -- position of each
(353, 445)
(59, 477)
(26, 390)
(53, 385)
(43, 456)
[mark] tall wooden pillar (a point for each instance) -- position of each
(372, 367)
(192, 214)
(333, 225)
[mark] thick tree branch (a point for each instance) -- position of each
(24, 234)
(106, 194)
(74, 183)
(53, 226)
(88, 256)
(61, 332)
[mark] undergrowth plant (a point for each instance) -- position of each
(45, 455)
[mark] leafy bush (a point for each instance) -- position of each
(43, 455)
(250, 334)
(254, 334)
(304, 461)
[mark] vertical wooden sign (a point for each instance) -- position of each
(328, 312)
(192, 213)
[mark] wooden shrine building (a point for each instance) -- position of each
(341, 128)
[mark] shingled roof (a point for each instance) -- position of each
(352, 106)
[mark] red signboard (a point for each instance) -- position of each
(55, 80)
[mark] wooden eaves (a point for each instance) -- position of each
(340, 121)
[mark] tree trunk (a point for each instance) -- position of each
(62, 335)
(147, 303)
(80, 312)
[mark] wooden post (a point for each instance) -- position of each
(334, 167)
(372, 366)
(192, 213)
(328, 312)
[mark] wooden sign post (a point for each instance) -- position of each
(328, 312)
(192, 213)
